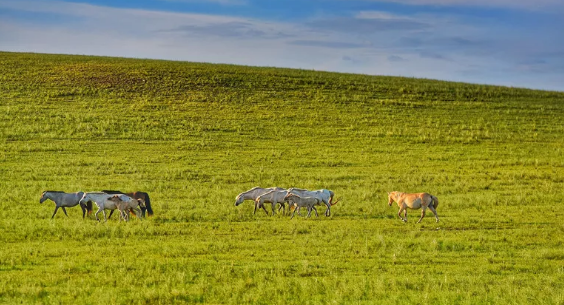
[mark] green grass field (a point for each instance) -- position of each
(195, 135)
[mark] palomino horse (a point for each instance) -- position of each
(63, 200)
(137, 195)
(125, 204)
(253, 194)
(414, 202)
(325, 196)
(102, 201)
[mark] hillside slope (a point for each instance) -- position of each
(195, 135)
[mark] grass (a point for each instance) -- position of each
(195, 135)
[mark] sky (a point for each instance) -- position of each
(517, 43)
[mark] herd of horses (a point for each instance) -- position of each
(296, 198)
(138, 203)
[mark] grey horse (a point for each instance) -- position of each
(253, 194)
(64, 200)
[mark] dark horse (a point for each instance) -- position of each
(136, 195)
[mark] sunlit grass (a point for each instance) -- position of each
(195, 135)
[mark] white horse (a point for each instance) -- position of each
(63, 200)
(101, 200)
(325, 196)
(253, 193)
(125, 204)
(300, 202)
(273, 197)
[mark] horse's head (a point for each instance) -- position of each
(141, 202)
(289, 197)
(84, 199)
(391, 198)
(43, 197)
(239, 199)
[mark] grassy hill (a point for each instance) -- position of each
(195, 135)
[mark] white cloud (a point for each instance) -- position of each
(369, 42)
(521, 4)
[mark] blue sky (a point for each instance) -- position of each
(505, 42)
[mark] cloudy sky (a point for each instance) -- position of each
(516, 43)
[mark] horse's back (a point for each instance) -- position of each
(71, 198)
(418, 199)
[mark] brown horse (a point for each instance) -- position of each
(137, 195)
(414, 202)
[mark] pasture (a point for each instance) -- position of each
(195, 135)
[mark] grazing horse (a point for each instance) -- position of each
(136, 195)
(325, 196)
(253, 194)
(102, 201)
(300, 202)
(414, 202)
(125, 204)
(273, 197)
(63, 200)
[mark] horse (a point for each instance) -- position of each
(125, 204)
(136, 195)
(273, 197)
(299, 202)
(102, 201)
(63, 200)
(414, 201)
(253, 193)
(325, 196)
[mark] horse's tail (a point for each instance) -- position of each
(148, 205)
(435, 201)
(89, 207)
(331, 194)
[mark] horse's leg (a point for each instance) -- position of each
(273, 207)
(423, 208)
(282, 207)
(83, 211)
(316, 215)
(293, 213)
(308, 212)
(434, 212)
(99, 209)
(328, 211)
(262, 205)
(399, 213)
(65, 210)
(405, 213)
(56, 208)
(111, 212)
